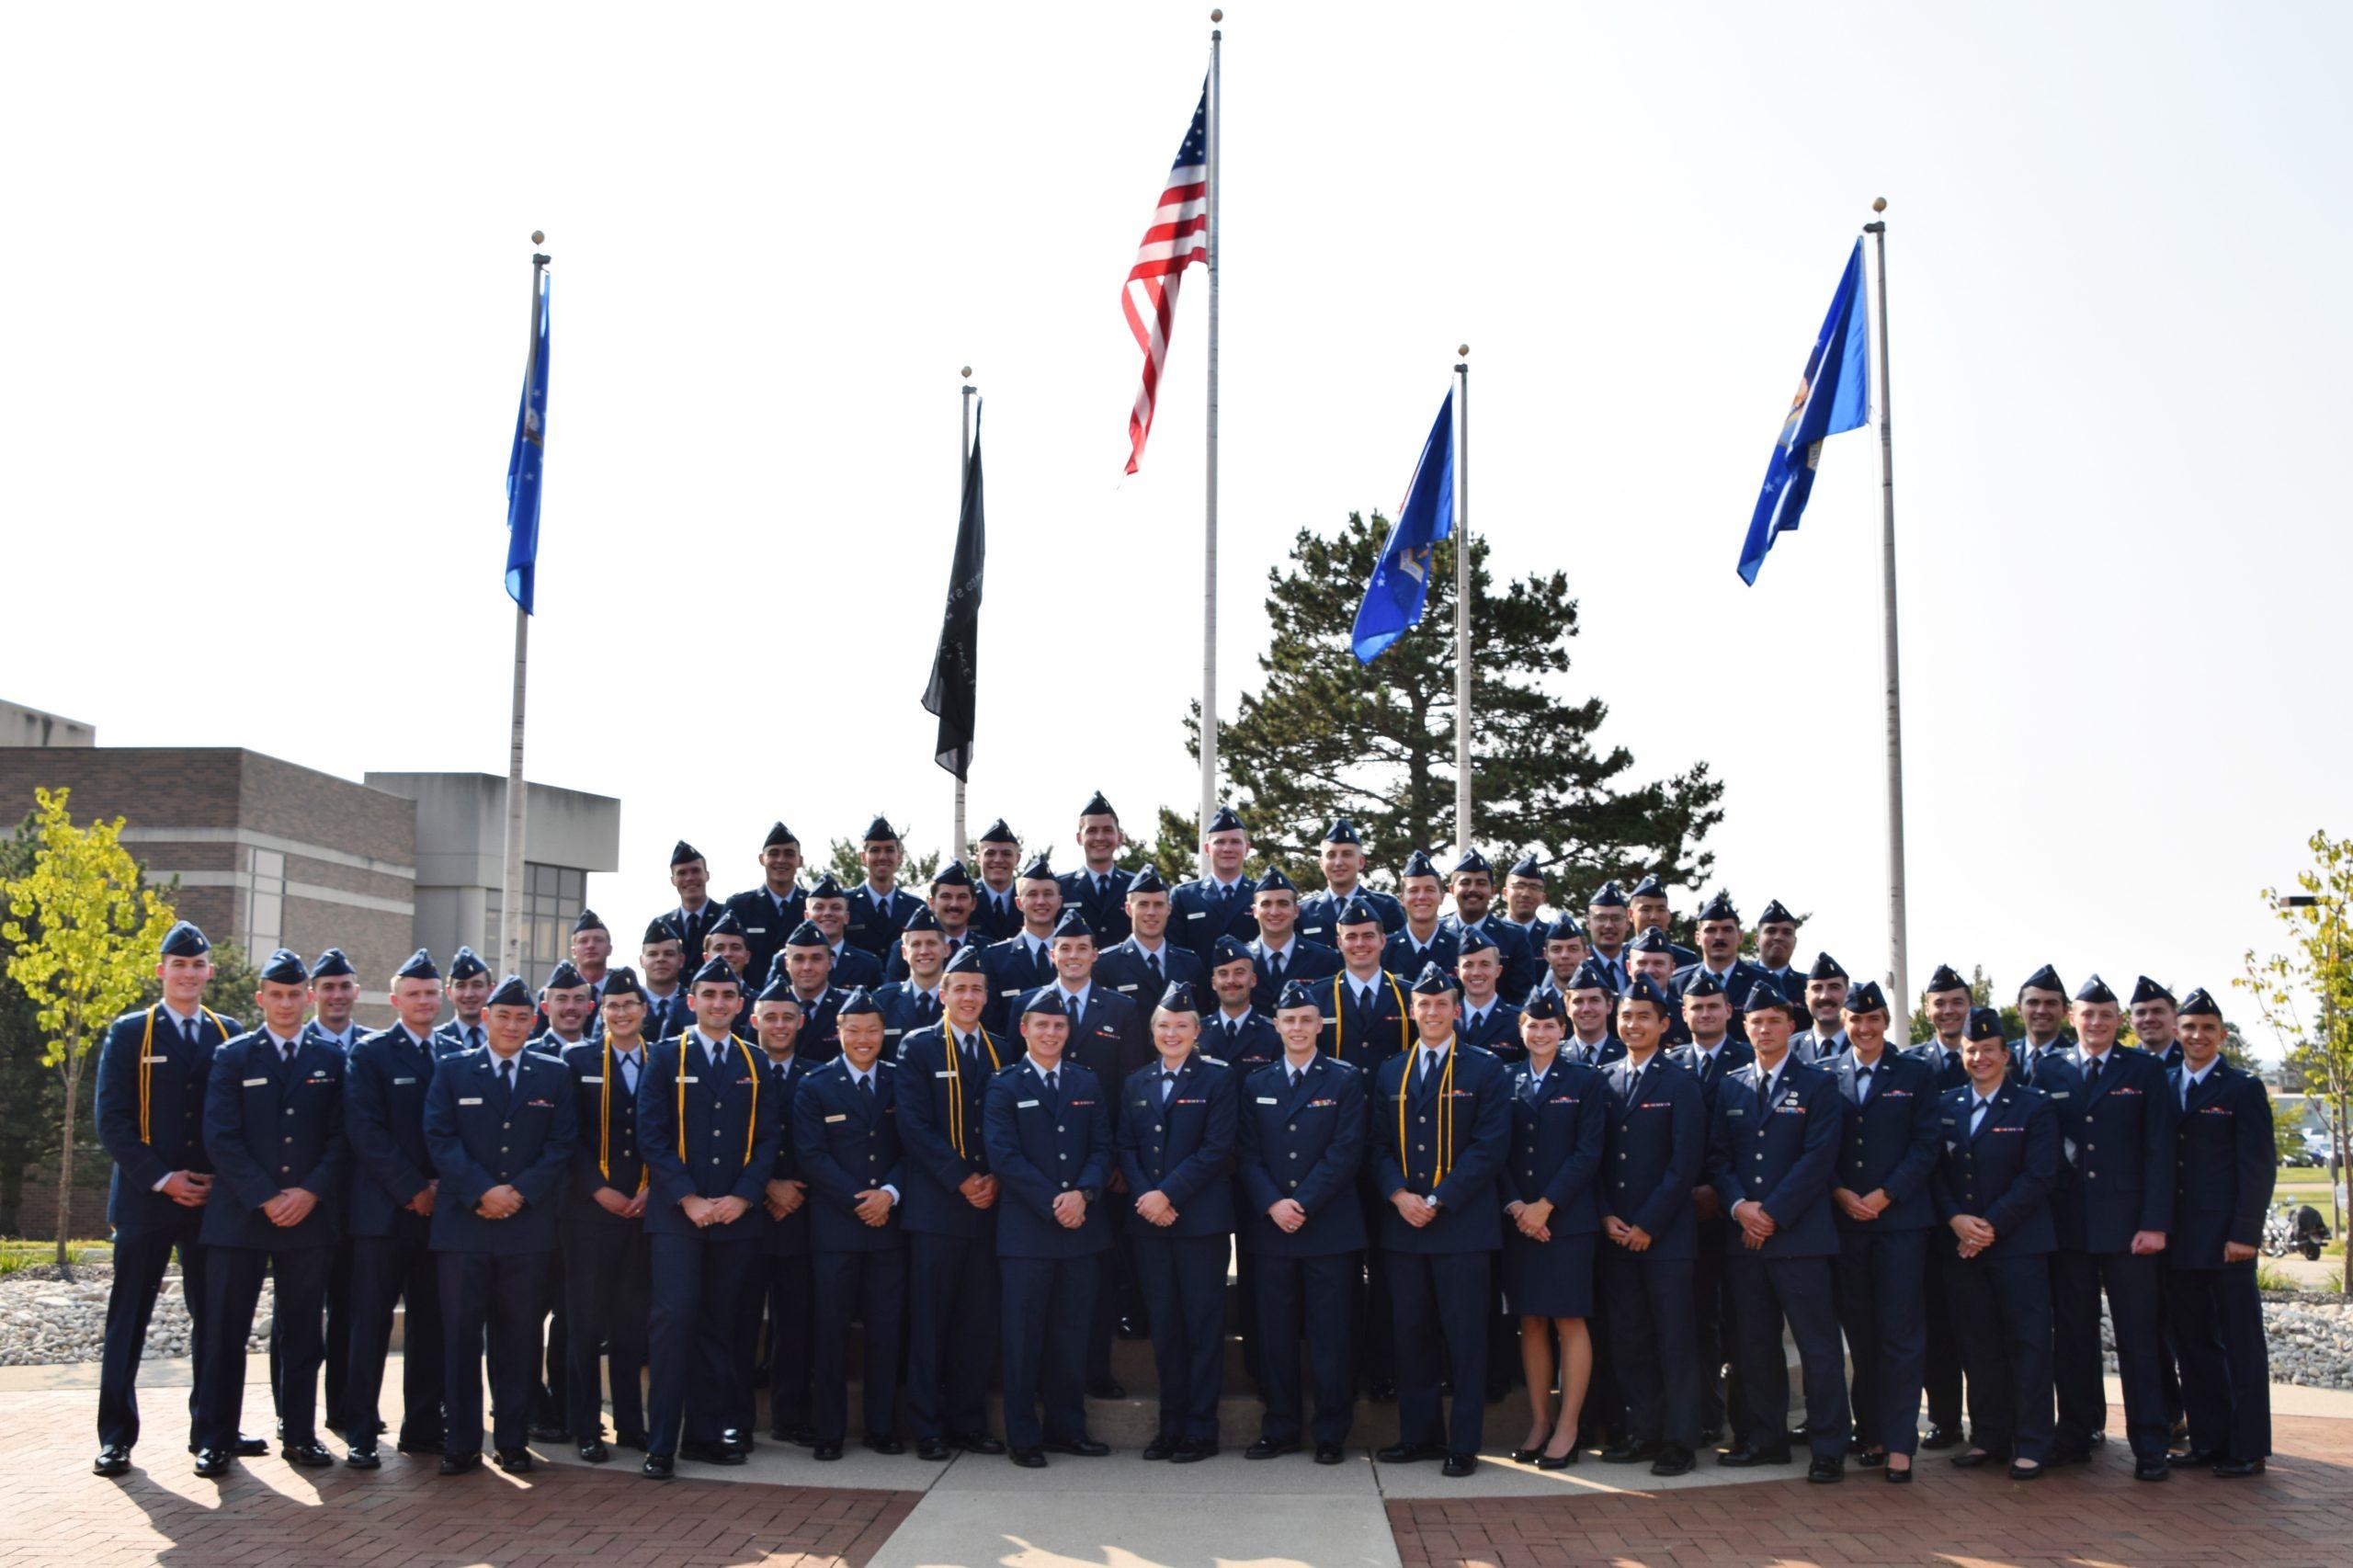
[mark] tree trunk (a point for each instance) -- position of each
(66, 1175)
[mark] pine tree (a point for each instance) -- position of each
(1324, 735)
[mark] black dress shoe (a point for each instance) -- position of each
(802, 1436)
(1460, 1464)
(826, 1451)
(1029, 1458)
(720, 1453)
(2193, 1459)
(212, 1461)
(113, 1459)
(2150, 1470)
(1134, 1328)
(1973, 1457)
(1269, 1449)
(975, 1442)
(2026, 1471)
(363, 1456)
(1898, 1477)
(2237, 1470)
(1410, 1453)
(635, 1442)
(1941, 1437)
(1748, 1457)
(595, 1452)
(1328, 1453)
(251, 1447)
(1085, 1448)
(1110, 1388)
(1824, 1472)
(312, 1455)
(885, 1443)
(1868, 1458)
(1161, 1447)
(1557, 1461)
(1674, 1458)
(1193, 1450)
(1629, 1452)
(657, 1466)
(548, 1432)
(936, 1449)
(514, 1462)
(741, 1441)
(461, 1464)
(418, 1446)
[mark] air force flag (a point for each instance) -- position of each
(1833, 396)
(1400, 579)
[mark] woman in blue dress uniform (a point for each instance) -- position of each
(1558, 1124)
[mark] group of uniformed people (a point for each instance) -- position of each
(995, 1128)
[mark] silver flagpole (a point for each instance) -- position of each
(1462, 603)
(1209, 511)
(510, 889)
(1900, 987)
(963, 474)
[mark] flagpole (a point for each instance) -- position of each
(965, 475)
(510, 917)
(1900, 991)
(1209, 510)
(1462, 603)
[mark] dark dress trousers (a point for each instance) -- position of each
(1176, 1133)
(952, 1246)
(1654, 1155)
(385, 1082)
(845, 1132)
(607, 1267)
(150, 1111)
(2003, 1173)
(270, 1124)
(1888, 1142)
(2224, 1165)
(1304, 1141)
(1942, 1379)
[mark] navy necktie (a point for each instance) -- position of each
(507, 1081)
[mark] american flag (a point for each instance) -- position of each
(1177, 238)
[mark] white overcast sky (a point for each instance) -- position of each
(264, 309)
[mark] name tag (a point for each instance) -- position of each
(470, 1099)
(1269, 1100)
(688, 1078)
(398, 1082)
(755, 930)
(1129, 986)
(257, 1083)
(584, 1077)
(2057, 1094)
(1735, 1110)
(943, 1075)
(1198, 915)
(1015, 991)
(154, 1058)
(837, 1117)
(1024, 1105)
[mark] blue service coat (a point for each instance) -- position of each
(385, 1080)
(1105, 907)
(270, 1125)
(1182, 1146)
(1446, 1139)
(1014, 971)
(1523, 962)
(1199, 912)
(1560, 1130)
(1041, 1144)
(1319, 914)
(874, 923)
(1306, 1144)
(788, 1237)
(706, 1135)
(1889, 1143)
(1124, 968)
(1782, 1155)
(1405, 958)
(2005, 1172)
(942, 1102)
(2224, 1166)
(1249, 1045)
(2117, 1139)
(481, 1138)
(1365, 1038)
(1110, 1039)
(1497, 1030)
(848, 1139)
(906, 1008)
(150, 1111)
(765, 926)
(605, 1152)
(1307, 960)
(1656, 1151)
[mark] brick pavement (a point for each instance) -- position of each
(269, 1515)
(2299, 1513)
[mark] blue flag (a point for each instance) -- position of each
(1834, 394)
(1400, 579)
(530, 452)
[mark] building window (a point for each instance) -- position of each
(553, 897)
(266, 903)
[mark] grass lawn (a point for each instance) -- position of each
(16, 1255)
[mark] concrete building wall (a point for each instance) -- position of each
(22, 726)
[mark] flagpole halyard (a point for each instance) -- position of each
(1900, 987)
(510, 917)
(1462, 788)
(964, 457)
(1209, 510)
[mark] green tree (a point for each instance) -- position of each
(1324, 735)
(29, 1093)
(84, 931)
(2305, 992)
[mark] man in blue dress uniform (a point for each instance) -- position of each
(1774, 1153)
(2114, 1210)
(1826, 1001)
(1592, 1002)
(1147, 962)
(1887, 1149)
(697, 911)
(152, 1069)
(390, 1221)
(1776, 943)
(661, 959)
(1565, 950)
(1608, 927)
(1236, 1031)
(1719, 933)
(1099, 889)
(1048, 1128)
(878, 907)
(2043, 1008)
(950, 911)
(1424, 940)
(829, 912)
(1443, 1128)
(1342, 859)
(709, 1135)
(1658, 1120)
(1473, 884)
(912, 1002)
(1713, 1055)
(807, 965)
(783, 1283)
(1278, 952)
(1488, 1021)
(1302, 1145)
(2224, 1165)
(1218, 905)
(1650, 953)
(1949, 1002)
(1024, 960)
(769, 912)
(846, 1130)
(607, 1270)
(1524, 893)
(500, 1126)
(1998, 1160)
(2155, 1017)
(273, 1129)
(1175, 1129)
(335, 993)
(1367, 1017)
(466, 987)
(1646, 905)
(996, 907)
(950, 1215)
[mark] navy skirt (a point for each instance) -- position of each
(1548, 1280)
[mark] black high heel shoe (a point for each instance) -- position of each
(1556, 1462)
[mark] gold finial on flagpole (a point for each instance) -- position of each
(1217, 16)
(1878, 203)
(967, 372)
(538, 238)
